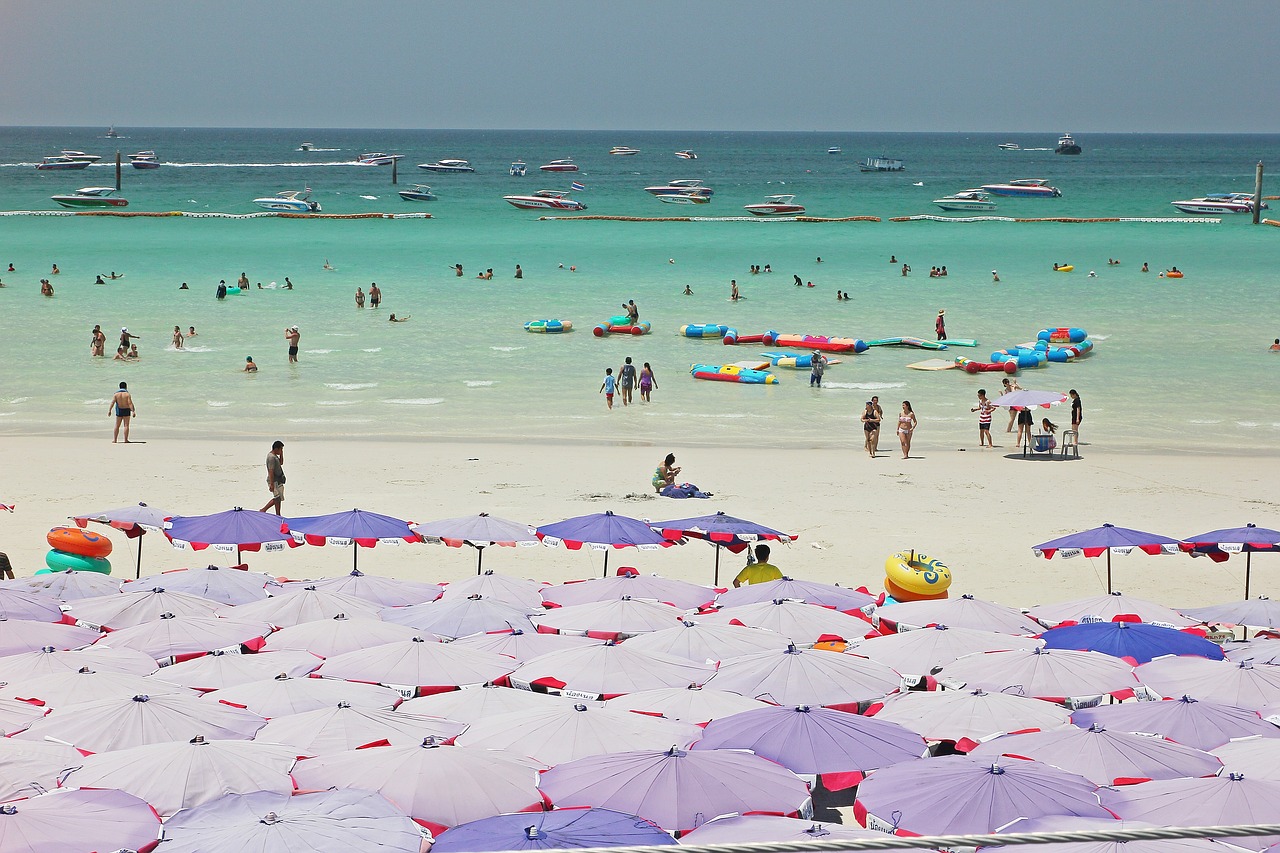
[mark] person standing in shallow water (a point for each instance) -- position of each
(627, 380)
(292, 335)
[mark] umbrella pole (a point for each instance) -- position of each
(355, 557)
(1108, 571)
(138, 571)
(716, 580)
(606, 564)
(479, 561)
(1248, 560)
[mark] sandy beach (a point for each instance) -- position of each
(978, 511)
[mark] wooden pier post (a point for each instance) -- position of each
(1257, 193)
(393, 171)
(117, 170)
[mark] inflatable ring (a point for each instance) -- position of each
(1173, 274)
(898, 594)
(84, 543)
(549, 327)
(917, 574)
(59, 560)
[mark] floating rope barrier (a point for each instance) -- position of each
(133, 214)
(929, 217)
(1271, 222)
(603, 218)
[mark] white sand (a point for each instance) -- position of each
(978, 511)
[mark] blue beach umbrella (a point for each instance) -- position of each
(601, 531)
(237, 530)
(722, 531)
(1138, 642)
(561, 829)
(1221, 544)
(355, 527)
(1106, 539)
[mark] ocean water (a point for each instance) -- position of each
(1178, 363)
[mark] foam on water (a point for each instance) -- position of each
(478, 383)
(350, 386)
(422, 401)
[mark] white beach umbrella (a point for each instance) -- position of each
(677, 593)
(1104, 608)
(136, 607)
(963, 612)
(461, 617)
(221, 584)
(614, 618)
(1236, 683)
(524, 645)
(308, 604)
(28, 604)
(797, 676)
(74, 820)
(24, 635)
(803, 624)
(173, 638)
(176, 776)
(1254, 757)
(217, 670)
(332, 637)
(47, 660)
(810, 592)
(760, 828)
(520, 592)
(968, 717)
(62, 689)
(920, 653)
(29, 768)
(598, 672)
(374, 589)
(282, 695)
(699, 641)
(1053, 674)
(479, 531)
(342, 727)
(1203, 725)
(16, 715)
(478, 703)
(66, 584)
(697, 705)
(417, 667)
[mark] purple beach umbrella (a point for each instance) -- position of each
(1104, 540)
(963, 612)
(135, 520)
(28, 768)
(1236, 683)
(1057, 675)
(30, 605)
(811, 592)
(462, 617)
(374, 589)
(221, 584)
(699, 641)
(341, 727)
(479, 531)
(615, 619)
(968, 717)
(1256, 757)
(677, 593)
(758, 828)
(604, 671)
(354, 527)
(1218, 545)
(695, 705)
(562, 829)
(1057, 823)
(917, 654)
(1203, 725)
(797, 676)
(601, 531)
(1136, 642)
(66, 584)
(722, 531)
(1227, 800)
(75, 819)
(1260, 612)
(234, 530)
(1105, 608)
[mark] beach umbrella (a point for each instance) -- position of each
(283, 695)
(634, 585)
(1058, 675)
(1168, 845)
(171, 639)
(816, 740)
(1136, 642)
(127, 609)
(1255, 757)
(722, 531)
(699, 641)
(758, 828)
(135, 520)
(521, 592)
(234, 530)
(803, 624)
(66, 584)
(1237, 683)
(48, 659)
(1260, 612)
(23, 635)
(385, 592)
(16, 715)
(601, 531)
(322, 822)
(29, 605)
(106, 725)
(957, 794)
(556, 830)
(968, 717)
(920, 653)
(1029, 399)
(1106, 757)
(217, 670)
(599, 672)
(676, 789)
(354, 527)
(1259, 651)
(479, 531)
(796, 676)
(328, 638)
(481, 703)
(61, 689)
(1228, 800)
(438, 786)
(418, 667)
(341, 727)
(963, 612)
(461, 617)
(308, 604)
(811, 592)
(695, 705)
(1221, 544)
(1106, 608)
(1104, 540)
(614, 619)
(78, 820)
(525, 645)
(1195, 723)
(221, 584)
(28, 768)
(176, 776)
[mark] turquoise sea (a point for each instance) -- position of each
(1178, 363)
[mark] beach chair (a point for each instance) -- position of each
(1044, 443)
(1070, 442)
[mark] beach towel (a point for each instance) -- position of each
(684, 490)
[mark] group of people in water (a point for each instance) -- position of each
(626, 381)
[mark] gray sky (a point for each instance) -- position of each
(835, 65)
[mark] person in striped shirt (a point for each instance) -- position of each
(984, 409)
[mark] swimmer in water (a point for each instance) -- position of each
(177, 337)
(995, 276)
(733, 291)
(1144, 267)
(46, 289)
(326, 264)
(99, 280)
(249, 366)
(56, 270)
(288, 285)
(1092, 274)
(113, 275)
(394, 319)
(184, 286)
(191, 332)
(688, 291)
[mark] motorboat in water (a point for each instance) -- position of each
(88, 197)
(775, 205)
(1024, 188)
(966, 200)
(684, 198)
(61, 164)
(1218, 203)
(681, 187)
(518, 168)
(306, 146)
(1067, 145)
(447, 166)
(624, 151)
(835, 149)
(419, 192)
(377, 158)
(560, 166)
(1009, 146)
(881, 164)
(686, 155)
(145, 160)
(111, 133)
(544, 200)
(291, 201)
(80, 155)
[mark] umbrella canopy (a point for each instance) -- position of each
(815, 740)
(47, 659)
(797, 676)
(66, 584)
(677, 593)
(1105, 608)
(599, 672)
(1136, 642)
(695, 705)
(219, 584)
(557, 830)
(135, 520)
(29, 605)
(562, 732)
(384, 592)
(920, 653)
(676, 789)
(61, 689)
(810, 592)
(111, 724)
(332, 637)
(1260, 612)
(1104, 540)
(282, 695)
(968, 717)
(479, 531)
(175, 776)
(1030, 399)
(28, 768)
(756, 828)
(171, 638)
(480, 782)
(526, 645)
(601, 531)
(720, 530)
(1259, 651)
(1170, 845)
(1056, 674)
(480, 703)
(341, 727)
(1226, 800)
(1202, 725)
(518, 591)
(75, 820)
(232, 531)
(18, 636)
(323, 822)
(963, 612)
(1235, 683)
(1255, 757)
(217, 670)
(308, 604)
(127, 609)
(461, 617)
(1102, 756)
(16, 715)
(963, 795)
(1221, 544)
(614, 619)
(802, 623)
(700, 642)
(353, 527)
(418, 667)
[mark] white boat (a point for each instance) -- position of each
(518, 168)
(91, 197)
(419, 192)
(80, 156)
(447, 166)
(560, 166)
(775, 205)
(1009, 146)
(681, 187)
(145, 160)
(881, 164)
(1218, 203)
(377, 158)
(291, 201)
(1067, 145)
(306, 146)
(835, 149)
(684, 198)
(111, 133)
(1024, 188)
(966, 200)
(61, 164)
(624, 151)
(544, 200)
(686, 155)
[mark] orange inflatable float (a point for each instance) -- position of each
(82, 543)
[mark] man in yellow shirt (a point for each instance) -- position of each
(759, 571)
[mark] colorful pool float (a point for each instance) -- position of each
(59, 560)
(818, 342)
(912, 576)
(1062, 335)
(84, 543)
(731, 337)
(703, 330)
(1021, 356)
(968, 365)
(1064, 354)
(549, 327)
(919, 343)
(605, 329)
(790, 359)
(732, 373)
(1065, 268)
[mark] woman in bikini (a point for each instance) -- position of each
(906, 426)
(870, 425)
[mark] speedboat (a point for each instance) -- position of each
(145, 160)
(80, 155)
(686, 155)
(966, 200)
(447, 166)
(1218, 203)
(623, 150)
(881, 164)
(560, 166)
(377, 158)
(1009, 146)
(1025, 188)
(1067, 145)
(418, 193)
(52, 164)
(518, 168)
(681, 187)
(92, 197)
(544, 200)
(775, 205)
(111, 133)
(306, 146)
(292, 201)
(684, 198)
(835, 149)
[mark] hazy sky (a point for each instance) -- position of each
(834, 65)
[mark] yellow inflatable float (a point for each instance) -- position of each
(912, 576)
(1062, 268)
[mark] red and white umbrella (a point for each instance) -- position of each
(521, 592)
(28, 768)
(810, 592)
(16, 715)
(526, 645)
(697, 705)
(920, 653)
(1235, 683)
(438, 786)
(1059, 675)
(30, 605)
(599, 672)
(1105, 608)
(305, 605)
(417, 667)
(805, 677)
(341, 727)
(222, 584)
(479, 703)
(47, 660)
(678, 593)
(761, 828)
(611, 619)
(562, 732)
(479, 531)
(374, 589)
(78, 820)
(61, 689)
(66, 584)
(963, 612)
(803, 624)
(221, 669)
(23, 635)
(174, 639)
(176, 776)
(700, 641)
(968, 717)
(129, 608)
(332, 637)
(282, 695)
(461, 617)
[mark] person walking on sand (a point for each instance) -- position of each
(906, 427)
(292, 335)
(1010, 385)
(817, 366)
(1077, 412)
(647, 382)
(875, 436)
(940, 326)
(608, 387)
(627, 380)
(123, 408)
(870, 426)
(375, 295)
(984, 410)
(275, 477)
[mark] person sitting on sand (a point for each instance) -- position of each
(761, 571)
(666, 473)
(394, 319)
